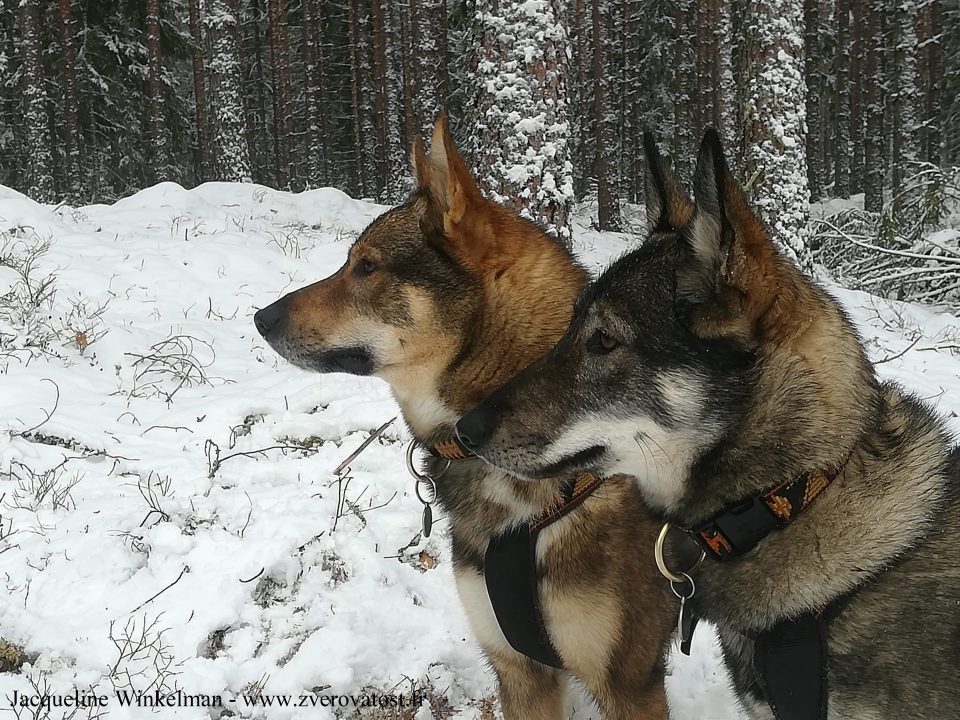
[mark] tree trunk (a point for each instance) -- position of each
(280, 66)
(428, 52)
(315, 71)
(873, 102)
(159, 151)
(379, 73)
(857, 63)
(815, 89)
(581, 90)
(776, 168)
(841, 144)
(521, 110)
(930, 70)
(233, 155)
(908, 96)
(71, 124)
(356, 83)
(608, 204)
(202, 165)
(39, 182)
(412, 80)
(443, 43)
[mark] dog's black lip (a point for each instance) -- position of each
(578, 461)
(356, 360)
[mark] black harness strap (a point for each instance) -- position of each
(510, 573)
(790, 661)
(510, 564)
(513, 583)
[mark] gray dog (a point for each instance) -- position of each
(738, 395)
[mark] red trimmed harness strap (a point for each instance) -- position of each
(510, 564)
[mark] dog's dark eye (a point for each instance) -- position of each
(600, 343)
(365, 267)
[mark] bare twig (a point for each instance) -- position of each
(363, 446)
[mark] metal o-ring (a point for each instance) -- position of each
(662, 565)
(412, 469)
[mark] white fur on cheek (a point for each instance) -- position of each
(659, 458)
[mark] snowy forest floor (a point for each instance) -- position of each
(169, 513)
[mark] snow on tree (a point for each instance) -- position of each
(609, 216)
(775, 165)
(233, 162)
(427, 62)
(70, 129)
(907, 92)
(159, 151)
(39, 176)
(522, 128)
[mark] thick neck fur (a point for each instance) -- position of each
(812, 398)
(815, 402)
(528, 285)
(527, 288)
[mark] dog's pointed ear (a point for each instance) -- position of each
(450, 183)
(732, 272)
(668, 205)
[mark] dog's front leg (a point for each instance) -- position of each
(529, 690)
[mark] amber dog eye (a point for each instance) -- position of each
(365, 267)
(600, 343)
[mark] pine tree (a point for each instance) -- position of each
(397, 169)
(873, 105)
(38, 183)
(280, 68)
(202, 128)
(814, 95)
(604, 166)
(390, 160)
(521, 108)
(841, 144)
(158, 152)
(231, 132)
(858, 58)
(774, 141)
(317, 131)
(70, 129)
(427, 61)
(907, 93)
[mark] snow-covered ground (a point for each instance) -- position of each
(169, 512)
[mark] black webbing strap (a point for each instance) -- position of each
(510, 572)
(512, 580)
(790, 661)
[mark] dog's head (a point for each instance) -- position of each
(419, 285)
(669, 350)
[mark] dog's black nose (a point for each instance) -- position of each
(475, 428)
(268, 319)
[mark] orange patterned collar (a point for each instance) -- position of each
(737, 529)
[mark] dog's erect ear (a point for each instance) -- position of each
(732, 274)
(668, 205)
(446, 176)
